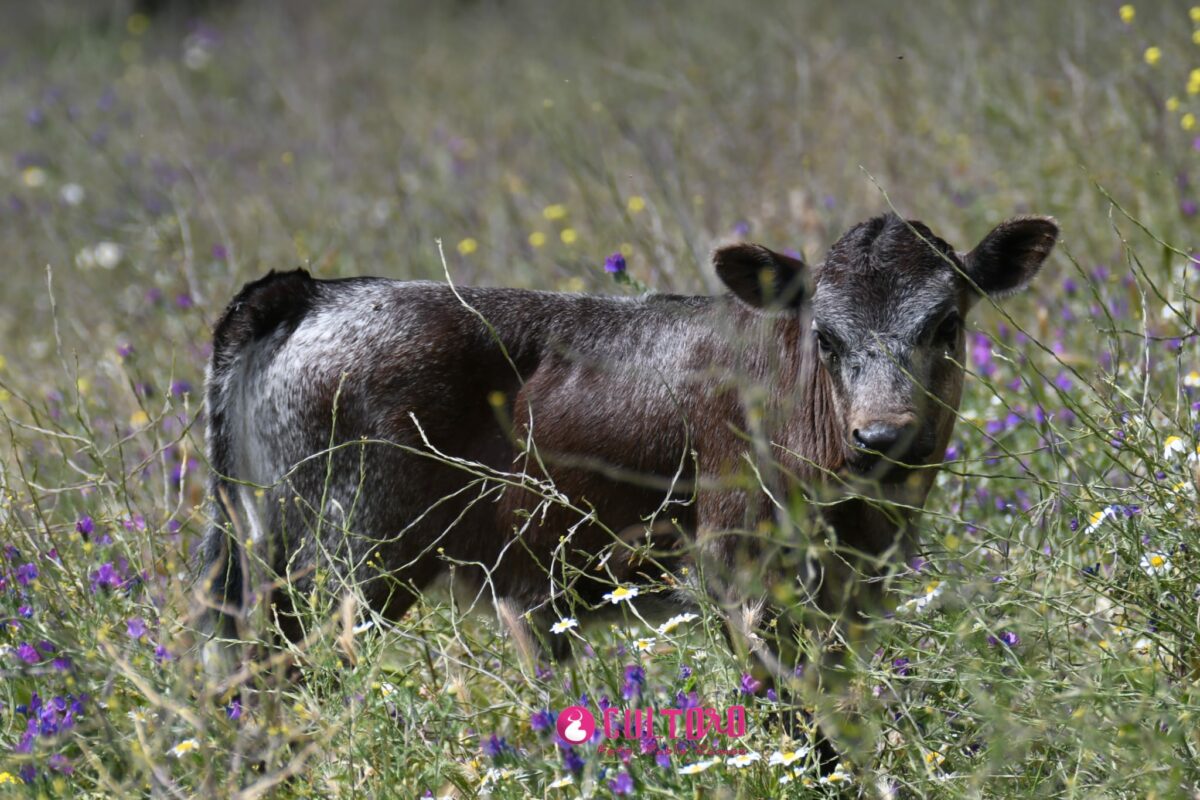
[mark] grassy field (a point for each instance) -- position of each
(150, 166)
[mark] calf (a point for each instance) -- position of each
(555, 445)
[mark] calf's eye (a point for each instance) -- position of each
(947, 331)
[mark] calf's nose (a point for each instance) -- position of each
(881, 436)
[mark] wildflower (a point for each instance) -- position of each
(838, 777)
(1187, 121)
(183, 748)
(697, 768)
(33, 177)
(1127, 13)
(554, 212)
(85, 525)
(615, 264)
(786, 758)
(107, 255)
(1172, 103)
(743, 760)
(537, 239)
(8, 778)
(932, 591)
(635, 679)
(645, 644)
(27, 574)
(573, 761)
(674, 622)
(495, 746)
(900, 665)
(1194, 14)
(1008, 637)
(1156, 564)
(564, 625)
(1152, 55)
(1097, 519)
(749, 685)
(135, 627)
(234, 709)
(139, 419)
(28, 653)
(621, 593)
(541, 720)
(468, 246)
(386, 690)
(1192, 379)
(636, 204)
(565, 780)
(934, 758)
(72, 194)
(1174, 446)
(568, 236)
(105, 576)
(622, 784)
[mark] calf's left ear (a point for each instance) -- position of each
(1008, 257)
(761, 277)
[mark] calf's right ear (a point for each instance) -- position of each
(761, 277)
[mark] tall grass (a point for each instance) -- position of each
(150, 166)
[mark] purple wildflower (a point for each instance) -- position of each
(572, 760)
(496, 746)
(85, 525)
(615, 264)
(26, 574)
(749, 685)
(901, 665)
(622, 784)
(135, 627)
(28, 653)
(541, 720)
(635, 679)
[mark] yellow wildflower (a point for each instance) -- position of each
(468, 246)
(1127, 13)
(1153, 55)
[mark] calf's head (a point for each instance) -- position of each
(885, 316)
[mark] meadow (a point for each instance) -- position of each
(1045, 644)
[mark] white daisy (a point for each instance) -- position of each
(184, 747)
(564, 625)
(1192, 379)
(919, 603)
(1097, 519)
(1156, 563)
(621, 593)
(788, 757)
(674, 622)
(1174, 446)
(743, 760)
(645, 644)
(698, 767)
(565, 780)
(838, 777)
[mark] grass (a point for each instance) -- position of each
(149, 167)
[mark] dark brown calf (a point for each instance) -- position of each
(554, 445)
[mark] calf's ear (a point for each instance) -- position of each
(760, 277)
(1007, 259)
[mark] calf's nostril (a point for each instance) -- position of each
(878, 436)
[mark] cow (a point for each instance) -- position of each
(771, 443)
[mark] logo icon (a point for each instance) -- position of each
(576, 724)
